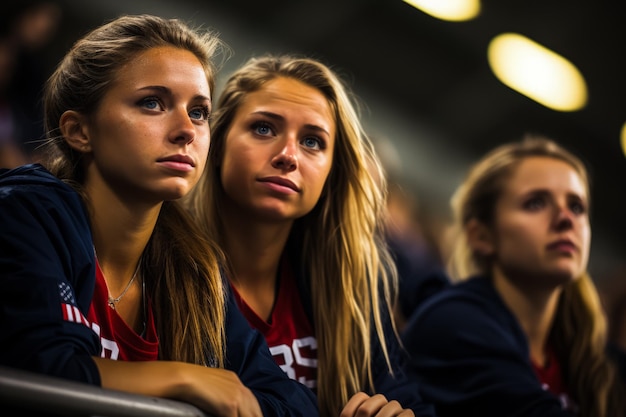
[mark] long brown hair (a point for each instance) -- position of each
(180, 265)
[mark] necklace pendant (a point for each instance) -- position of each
(113, 301)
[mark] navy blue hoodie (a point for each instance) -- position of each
(47, 258)
(471, 358)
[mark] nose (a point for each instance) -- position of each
(183, 130)
(286, 159)
(563, 218)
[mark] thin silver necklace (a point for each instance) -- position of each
(113, 301)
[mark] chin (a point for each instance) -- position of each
(175, 190)
(561, 276)
(174, 195)
(273, 216)
(275, 213)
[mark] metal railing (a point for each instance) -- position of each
(29, 391)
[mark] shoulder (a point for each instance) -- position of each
(42, 216)
(33, 188)
(476, 296)
(31, 174)
(33, 182)
(467, 311)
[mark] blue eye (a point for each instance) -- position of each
(577, 207)
(534, 203)
(150, 103)
(312, 143)
(200, 113)
(262, 128)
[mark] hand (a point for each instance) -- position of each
(220, 392)
(362, 405)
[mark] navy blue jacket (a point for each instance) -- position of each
(470, 356)
(47, 257)
(395, 387)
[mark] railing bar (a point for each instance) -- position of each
(45, 393)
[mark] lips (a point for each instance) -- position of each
(281, 181)
(562, 244)
(183, 159)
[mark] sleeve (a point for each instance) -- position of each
(468, 362)
(396, 386)
(47, 277)
(248, 355)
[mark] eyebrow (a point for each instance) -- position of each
(280, 118)
(168, 91)
(547, 192)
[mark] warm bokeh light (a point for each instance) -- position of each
(453, 10)
(623, 138)
(537, 72)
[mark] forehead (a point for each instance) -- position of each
(166, 63)
(288, 93)
(546, 173)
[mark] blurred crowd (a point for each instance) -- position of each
(27, 28)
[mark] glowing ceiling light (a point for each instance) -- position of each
(537, 72)
(623, 138)
(453, 10)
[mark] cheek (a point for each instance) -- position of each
(202, 144)
(119, 141)
(319, 175)
(585, 237)
(229, 176)
(514, 238)
(228, 164)
(202, 161)
(237, 155)
(236, 173)
(204, 139)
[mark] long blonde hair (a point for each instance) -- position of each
(181, 267)
(579, 330)
(340, 242)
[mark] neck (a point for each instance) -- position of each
(253, 247)
(254, 250)
(121, 230)
(534, 308)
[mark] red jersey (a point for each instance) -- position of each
(288, 333)
(118, 340)
(551, 379)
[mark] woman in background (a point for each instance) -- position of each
(525, 335)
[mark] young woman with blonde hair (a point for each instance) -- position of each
(523, 332)
(289, 195)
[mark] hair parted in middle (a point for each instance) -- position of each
(340, 243)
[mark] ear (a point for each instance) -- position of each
(479, 238)
(73, 127)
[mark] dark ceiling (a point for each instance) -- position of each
(426, 83)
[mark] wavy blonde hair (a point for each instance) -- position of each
(341, 241)
(579, 331)
(181, 267)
